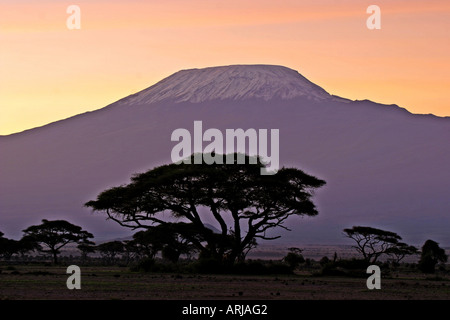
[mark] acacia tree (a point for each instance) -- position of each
(400, 251)
(109, 250)
(8, 247)
(147, 243)
(372, 242)
(86, 247)
(54, 235)
(244, 203)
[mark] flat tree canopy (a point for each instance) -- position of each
(243, 203)
(400, 251)
(372, 242)
(109, 250)
(55, 234)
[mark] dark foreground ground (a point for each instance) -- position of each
(40, 282)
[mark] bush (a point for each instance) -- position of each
(208, 265)
(442, 268)
(145, 265)
(152, 265)
(351, 268)
(293, 259)
(213, 266)
(324, 261)
(330, 269)
(427, 264)
(278, 268)
(435, 278)
(251, 267)
(353, 264)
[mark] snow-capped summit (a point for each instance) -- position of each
(234, 82)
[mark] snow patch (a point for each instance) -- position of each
(235, 82)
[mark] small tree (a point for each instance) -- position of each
(372, 242)
(400, 251)
(146, 244)
(294, 258)
(86, 248)
(8, 247)
(109, 250)
(325, 260)
(431, 254)
(26, 245)
(55, 235)
(172, 239)
(130, 250)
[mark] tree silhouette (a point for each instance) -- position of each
(147, 243)
(372, 242)
(294, 257)
(178, 240)
(8, 247)
(400, 251)
(172, 239)
(431, 254)
(109, 250)
(254, 203)
(86, 247)
(54, 235)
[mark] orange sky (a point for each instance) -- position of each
(48, 72)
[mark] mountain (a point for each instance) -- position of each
(237, 82)
(384, 166)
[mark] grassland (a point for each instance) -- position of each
(47, 282)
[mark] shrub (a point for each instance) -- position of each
(330, 269)
(427, 264)
(352, 268)
(278, 268)
(251, 267)
(324, 261)
(353, 264)
(208, 265)
(293, 259)
(145, 265)
(431, 254)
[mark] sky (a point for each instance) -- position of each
(49, 72)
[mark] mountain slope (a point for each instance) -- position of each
(384, 166)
